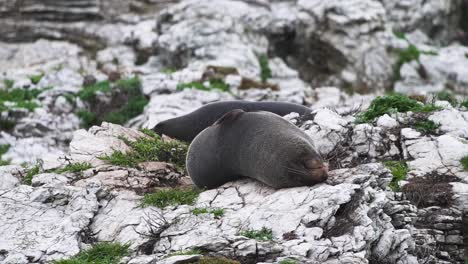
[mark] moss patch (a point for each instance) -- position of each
(176, 196)
(426, 126)
(4, 149)
(8, 84)
(464, 163)
(263, 234)
(20, 98)
(152, 148)
(265, 71)
(88, 119)
(399, 170)
(393, 103)
(88, 93)
(102, 253)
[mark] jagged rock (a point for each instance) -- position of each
(10, 176)
(304, 210)
(434, 18)
(44, 223)
(447, 68)
(88, 146)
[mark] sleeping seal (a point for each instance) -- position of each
(259, 145)
(187, 127)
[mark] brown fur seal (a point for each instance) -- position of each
(187, 127)
(259, 145)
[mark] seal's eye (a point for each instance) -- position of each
(313, 164)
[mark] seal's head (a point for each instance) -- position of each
(306, 167)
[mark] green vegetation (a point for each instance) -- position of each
(134, 107)
(464, 163)
(88, 119)
(102, 253)
(186, 252)
(173, 197)
(31, 173)
(288, 261)
(21, 98)
(4, 149)
(35, 79)
(217, 260)
(464, 103)
(426, 126)
(88, 93)
(151, 148)
(213, 84)
(75, 167)
(126, 102)
(265, 71)
(399, 169)
(447, 96)
(393, 103)
(411, 53)
(263, 234)
(168, 70)
(8, 84)
(219, 212)
(399, 34)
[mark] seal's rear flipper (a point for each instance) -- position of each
(229, 117)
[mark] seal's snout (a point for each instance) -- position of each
(317, 169)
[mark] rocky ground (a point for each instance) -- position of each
(80, 79)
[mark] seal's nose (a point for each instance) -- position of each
(318, 169)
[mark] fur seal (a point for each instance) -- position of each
(187, 127)
(259, 145)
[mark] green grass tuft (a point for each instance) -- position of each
(131, 85)
(213, 84)
(173, 197)
(150, 149)
(399, 34)
(8, 84)
(217, 260)
(134, 107)
(447, 96)
(219, 212)
(265, 71)
(35, 79)
(31, 173)
(464, 163)
(75, 167)
(392, 103)
(186, 252)
(88, 93)
(426, 126)
(399, 170)
(101, 253)
(287, 261)
(22, 98)
(4, 149)
(411, 53)
(88, 119)
(263, 234)
(464, 103)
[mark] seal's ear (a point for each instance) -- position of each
(229, 117)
